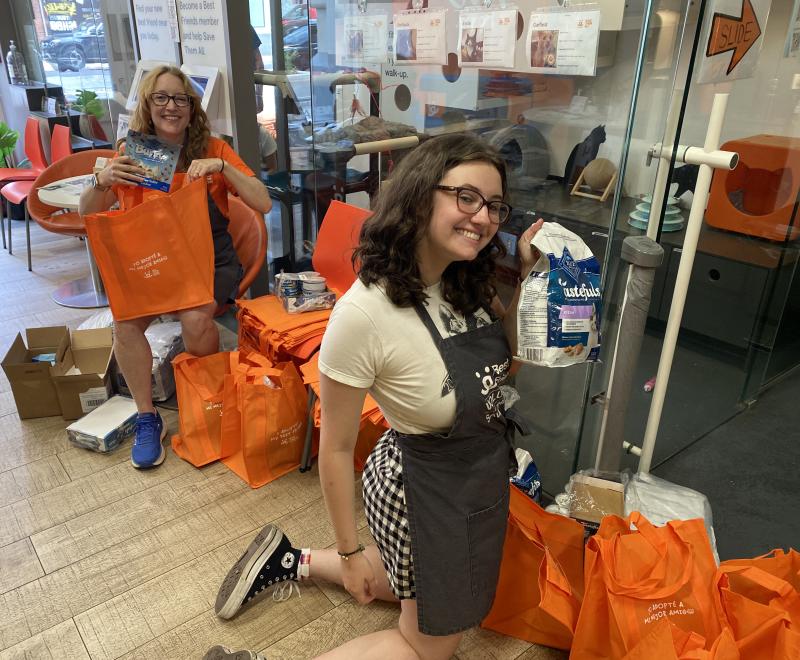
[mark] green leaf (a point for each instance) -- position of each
(86, 101)
(8, 140)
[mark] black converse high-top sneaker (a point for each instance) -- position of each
(269, 560)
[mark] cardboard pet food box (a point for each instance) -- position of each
(28, 365)
(106, 427)
(83, 378)
(592, 498)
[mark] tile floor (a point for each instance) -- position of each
(101, 561)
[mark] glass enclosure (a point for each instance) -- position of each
(740, 321)
(353, 81)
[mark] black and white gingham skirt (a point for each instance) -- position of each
(385, 508)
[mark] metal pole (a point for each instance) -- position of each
(644, 255)
(693, 227)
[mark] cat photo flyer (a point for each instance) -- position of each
(361, 39)
(564, 42)
(484, 38)
(419, 37)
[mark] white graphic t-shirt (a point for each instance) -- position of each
(370, 343)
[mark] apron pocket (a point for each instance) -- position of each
(486, 534)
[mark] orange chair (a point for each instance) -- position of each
(17, 192)
(34, 151)
(249, 234)
(60, 143)
(337, 238)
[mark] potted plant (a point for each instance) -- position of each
(8, 142)
(87, 103)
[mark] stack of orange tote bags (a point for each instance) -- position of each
(244, 411)
(371, 427)
(640, 592)
(266, 328)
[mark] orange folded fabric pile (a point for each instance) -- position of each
(369, 413)
(266, 328)
(372, 426)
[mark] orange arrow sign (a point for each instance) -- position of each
(736, 33)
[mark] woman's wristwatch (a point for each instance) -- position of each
(96, 184)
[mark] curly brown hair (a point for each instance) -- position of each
(387, 253)
(198, 132)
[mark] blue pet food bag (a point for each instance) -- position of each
(558, 318)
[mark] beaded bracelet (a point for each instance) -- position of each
(346, 555)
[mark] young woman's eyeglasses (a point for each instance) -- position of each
(180, 100)
(471, 201)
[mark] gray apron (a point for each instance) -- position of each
(456, 485)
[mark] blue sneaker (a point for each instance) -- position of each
(147, 450)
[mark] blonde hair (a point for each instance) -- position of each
(198, 130)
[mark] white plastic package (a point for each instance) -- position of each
(558, 317)
(100, 319)
(660, 501)
(161, 337)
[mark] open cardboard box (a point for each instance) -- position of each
(591, 498)
(83, 377)
(31, 383)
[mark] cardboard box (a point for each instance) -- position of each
(591, 498)
(83, 377)
(31, 383)
(106, 427)
(162, 379)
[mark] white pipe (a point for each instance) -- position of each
(661, 187)
(631, 449)
(719, 160)
(693, 227)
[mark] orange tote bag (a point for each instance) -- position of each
(539, 590)
(635, 578)
(240, 365)
(759, 600)
(157, 257)
(199, 384)
(272, 417)
(665, 641)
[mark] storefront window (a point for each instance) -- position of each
(83, 50)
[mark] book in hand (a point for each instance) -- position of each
(157, 158)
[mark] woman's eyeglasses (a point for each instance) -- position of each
(180, 100)
(471, 201)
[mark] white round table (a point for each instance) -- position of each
(65, 193)
(86, 292)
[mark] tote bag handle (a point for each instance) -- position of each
(651, 587)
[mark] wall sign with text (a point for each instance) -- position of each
(733, 35)
(564, 42)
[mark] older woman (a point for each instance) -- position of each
(169, 108)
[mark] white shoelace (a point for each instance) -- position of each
(283, 591)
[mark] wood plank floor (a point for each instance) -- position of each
(99, 560)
